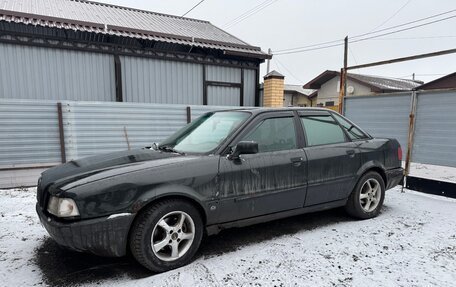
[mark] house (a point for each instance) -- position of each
(88, 51)
(328, 86)
(296, 95)
(293, 95)
(445, 82)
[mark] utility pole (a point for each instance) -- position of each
(413, 76)
(269, 61)
(343, 77)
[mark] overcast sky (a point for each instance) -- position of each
(287, 24)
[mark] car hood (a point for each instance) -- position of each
(84, 167)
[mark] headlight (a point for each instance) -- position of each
(62, 207)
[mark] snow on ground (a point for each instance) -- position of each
(412, 243)
(437, 172)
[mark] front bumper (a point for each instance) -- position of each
(102, 236)
(394, 177)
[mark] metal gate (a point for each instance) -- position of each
(381, 116)
(434, 137)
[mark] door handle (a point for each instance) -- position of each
(351, 152)
(296, 161)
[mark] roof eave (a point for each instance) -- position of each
(434, 81)
(320, 80)
(261, 55)
(107, 29)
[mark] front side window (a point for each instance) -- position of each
(206, 133)
(274, 134)
(321, 130)
(353, 132)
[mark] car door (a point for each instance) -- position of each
(270, 181)
(332, 158)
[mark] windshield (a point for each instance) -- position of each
(206, 133)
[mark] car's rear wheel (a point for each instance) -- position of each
(367, 198)
(166, 235)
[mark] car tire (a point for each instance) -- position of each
(367, 198)
(163, 228)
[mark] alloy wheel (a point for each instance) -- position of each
(370, 194)
(173, 236)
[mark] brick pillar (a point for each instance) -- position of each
(273, 89)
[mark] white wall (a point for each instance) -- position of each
(329, 91)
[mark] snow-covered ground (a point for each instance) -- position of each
(412, 243)
(437, 172)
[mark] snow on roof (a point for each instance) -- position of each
(298, 89)
(377, 83)
(385, 83)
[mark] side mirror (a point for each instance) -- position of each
(244, 147)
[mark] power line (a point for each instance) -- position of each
(392, 16)
(418, 38)
(244, 14)
(286, 69)
(366, 38)
(405, 29)
(365, 34)
(309, 46)
(405, 24)
(353, 55)
(249, 13)
(193, 7)
(306, 50)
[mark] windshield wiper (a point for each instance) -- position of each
(167, 148)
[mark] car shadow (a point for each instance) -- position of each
(62, 267)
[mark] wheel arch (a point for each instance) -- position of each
(368, 166)
(171, 191)
(372, 166)
(168, 192)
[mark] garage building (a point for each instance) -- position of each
(87, 51)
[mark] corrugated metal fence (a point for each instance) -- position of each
(30, 134)
(434, 138)
(435, 129)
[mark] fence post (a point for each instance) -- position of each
(61, 132)
(411, 133)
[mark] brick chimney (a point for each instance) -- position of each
(273, 89)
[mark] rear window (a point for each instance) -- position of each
(321, 130)
(353, 132)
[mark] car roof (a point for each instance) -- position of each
(257, 110)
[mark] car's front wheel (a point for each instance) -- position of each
(166, 235)
(367, 198)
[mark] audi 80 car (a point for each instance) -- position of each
(228, 168)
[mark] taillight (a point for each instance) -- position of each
(399, 153)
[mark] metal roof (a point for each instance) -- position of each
(377, 83)
(274, 73)
(88, 16)
(445, 82)
(298, 89)
(386, 84)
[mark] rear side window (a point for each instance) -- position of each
(273, 135)
(321, 130)
(353, 132)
